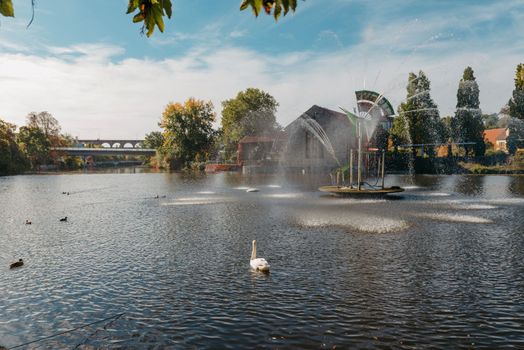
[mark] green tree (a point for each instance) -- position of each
(153, 140)
(250, 113)
(421, 113)
(188, 132)
(151, 13)
(468, 125)
(12, 158)
(446, 130)
(516, 111)
(490, 121)
(35, 144)
(399, 132)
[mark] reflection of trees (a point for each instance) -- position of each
(469, 185)
(516, 185)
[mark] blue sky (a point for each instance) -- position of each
(87, 64)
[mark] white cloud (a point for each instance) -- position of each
(94, 91)
(93, 97)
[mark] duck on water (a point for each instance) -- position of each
(16, 264)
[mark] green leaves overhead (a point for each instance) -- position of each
(277, 6)
(6, 8)
(151, 12)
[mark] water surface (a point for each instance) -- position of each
(442, 266)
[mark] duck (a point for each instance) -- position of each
(258, 264)
(27, 222)
(63, 219)
(16, 264)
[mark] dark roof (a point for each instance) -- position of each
(324, 116)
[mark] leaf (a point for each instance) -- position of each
(256, 5)
(138, 17)
(168, 7)
(244, 5)
(276, 13)
(131, 7)
(150, 25)
(157, 13)
(277, 5)
(6, 8)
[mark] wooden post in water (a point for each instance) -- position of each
(359, 161)
(383, 166)
(351, 168)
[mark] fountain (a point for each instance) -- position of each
(371, 106)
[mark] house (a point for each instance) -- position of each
(318, 139)
(255, 149)
(497, 138)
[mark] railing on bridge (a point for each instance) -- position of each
(118, 143)
(87, 151)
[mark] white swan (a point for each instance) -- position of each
(259, 264)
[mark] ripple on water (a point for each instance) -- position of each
(354, 221)
(284, 195)
(197, 201)
(455, 218)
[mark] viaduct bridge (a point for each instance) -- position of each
(106, 147)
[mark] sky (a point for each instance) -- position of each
(88, 65)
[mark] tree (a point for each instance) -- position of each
(188, 133)
(421, 114)
(153, 140)
(468, 125)
(40, 134)
(399, 132)
(516, 111)
(490, 121)
(45, 122)
(12, 158)
(35, 144)
(250, 113)
(151, 12)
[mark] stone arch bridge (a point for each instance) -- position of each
(86, 147)
(119, 143)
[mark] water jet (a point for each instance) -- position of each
(371, 107)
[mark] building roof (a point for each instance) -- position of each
(323, 116)
(494, 135)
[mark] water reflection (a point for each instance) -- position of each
(440, 266)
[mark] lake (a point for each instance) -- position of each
(440, 266)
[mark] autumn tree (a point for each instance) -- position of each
(188, 132)
(250, 113)
(39, 135)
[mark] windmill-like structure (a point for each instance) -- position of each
(372, 109)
